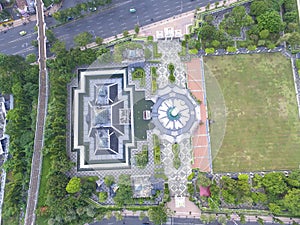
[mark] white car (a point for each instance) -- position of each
(132, 10)
(23, 32)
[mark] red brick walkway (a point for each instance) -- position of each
(200, 139)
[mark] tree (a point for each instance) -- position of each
(242, 218)
(125, 33)
(31, 58)
(274, 208)
(136, 29)
(158, 215)
(83, 39)
(270, 21)
(50, 36)
(215, 43)
(274, 184)
(102, 196)
(99, 40)
(292, 201)
(264, 34)
(258, 7)
(74, 185)
(109, 180)
(58, 47)
(292, 38)
(294, 179)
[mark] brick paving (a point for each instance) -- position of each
(200, 140)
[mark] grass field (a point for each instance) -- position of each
(262, 129)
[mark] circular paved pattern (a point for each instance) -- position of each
(175, 112)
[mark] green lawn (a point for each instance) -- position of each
(262, 129)
(40, 220)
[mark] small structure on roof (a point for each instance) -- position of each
(204, 191)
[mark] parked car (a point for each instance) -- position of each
(23, 32)
(132, 10)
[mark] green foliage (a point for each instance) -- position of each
(171, 69)
(237, 19)
(102, 196)
(231, 49)
(264, 34)
(124, 192)
(83, 39)
(50, 36)
(109, 180)
(141, 158)
(156, 54)
(291, 201)
(193, 51)
(176, 159)
(209, 50)
(293, 179)
(136, 29)
(156, 148)
(274, 208)
(260, 221)
(147, 53)
(202, 180)
(99, 40)
(31, 58)
(258, 7)
(251, 47)
(121, 47)
(215, 43)
(74, 185)
(242, 219)
(166, 197)
(274, 185)
(158, 215)
(19, 78)
(191, 176)
(150, 38)
(139, 73)
(125, 33)
(58, 203)
(270, 21)
(190, 189)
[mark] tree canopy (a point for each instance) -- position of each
(74, 185)
(270, 21)
(158, 215)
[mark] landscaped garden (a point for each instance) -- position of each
(262, 123)
(247, 25)
(277, 192)
(139, 74)
(141, 158)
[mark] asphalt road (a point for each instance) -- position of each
(101, 23)
(12, 43)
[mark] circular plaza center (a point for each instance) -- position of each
(175, 112)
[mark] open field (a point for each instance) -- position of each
(262, 129)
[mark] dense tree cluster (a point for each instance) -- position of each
(61, 207)
(265, 23)
(274, 190)
(19, 78)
